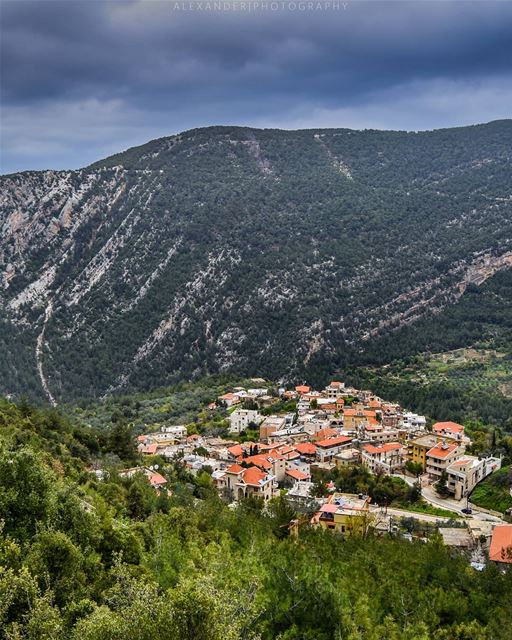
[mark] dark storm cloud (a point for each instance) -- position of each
(82, 78)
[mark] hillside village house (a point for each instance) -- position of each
(500, 551)
(466, 472)
(271, 424)
(229, 399)
(156, 480)
(414, 422)
(307, 451)
(327, 449)
(273, 463)
(344, 513)
(334, 390)
(385, 457)
(452, 432)
(241, 419)
(450, 429)
(302, 389)
(239, 482)
(347, 458)
(418, 448)
(440, 457)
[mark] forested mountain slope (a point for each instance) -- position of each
(259, 251)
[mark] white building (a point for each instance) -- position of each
(413, 422)
(241, 419)
(385, 457)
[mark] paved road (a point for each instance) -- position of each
(429, 494)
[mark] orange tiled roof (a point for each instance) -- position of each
(384, 448)
(229, 396)
(150, 449)
(156, 479)
(325, 433)
(306, 448)
(253, 476)
(234, 468)
(236, 450)
(301, 388)
(259, 460)
(501, 544)
(448, 426)
(296, 474)
(441, 451)
(332, 442)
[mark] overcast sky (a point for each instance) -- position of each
(82, 79)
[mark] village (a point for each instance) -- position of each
(268, 453)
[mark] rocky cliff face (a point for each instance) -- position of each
(232, 248)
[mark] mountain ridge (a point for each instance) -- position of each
(233, 248)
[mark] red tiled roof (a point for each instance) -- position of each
(296, 474)
(441, 450)
(302, 389)
(333, 442)
(326, 433)
(157, 479)
(253, 476)
(234, 468)
(448, 426)
(229, 396)
(329, 508)
(150, 449)
(306, 448)
(259, 460)
(236, 450)
(384, 448)
(501, 544)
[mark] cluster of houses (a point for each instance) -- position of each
(337, 427)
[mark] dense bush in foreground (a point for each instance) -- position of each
(107, 560)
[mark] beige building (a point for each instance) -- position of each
(466, 472)
(440, 457)
(418, 448)
(347, 458)
(385, 457)
(345, 513)
(270, 425)
(239, 482)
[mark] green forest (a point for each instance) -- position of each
(90, 559)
